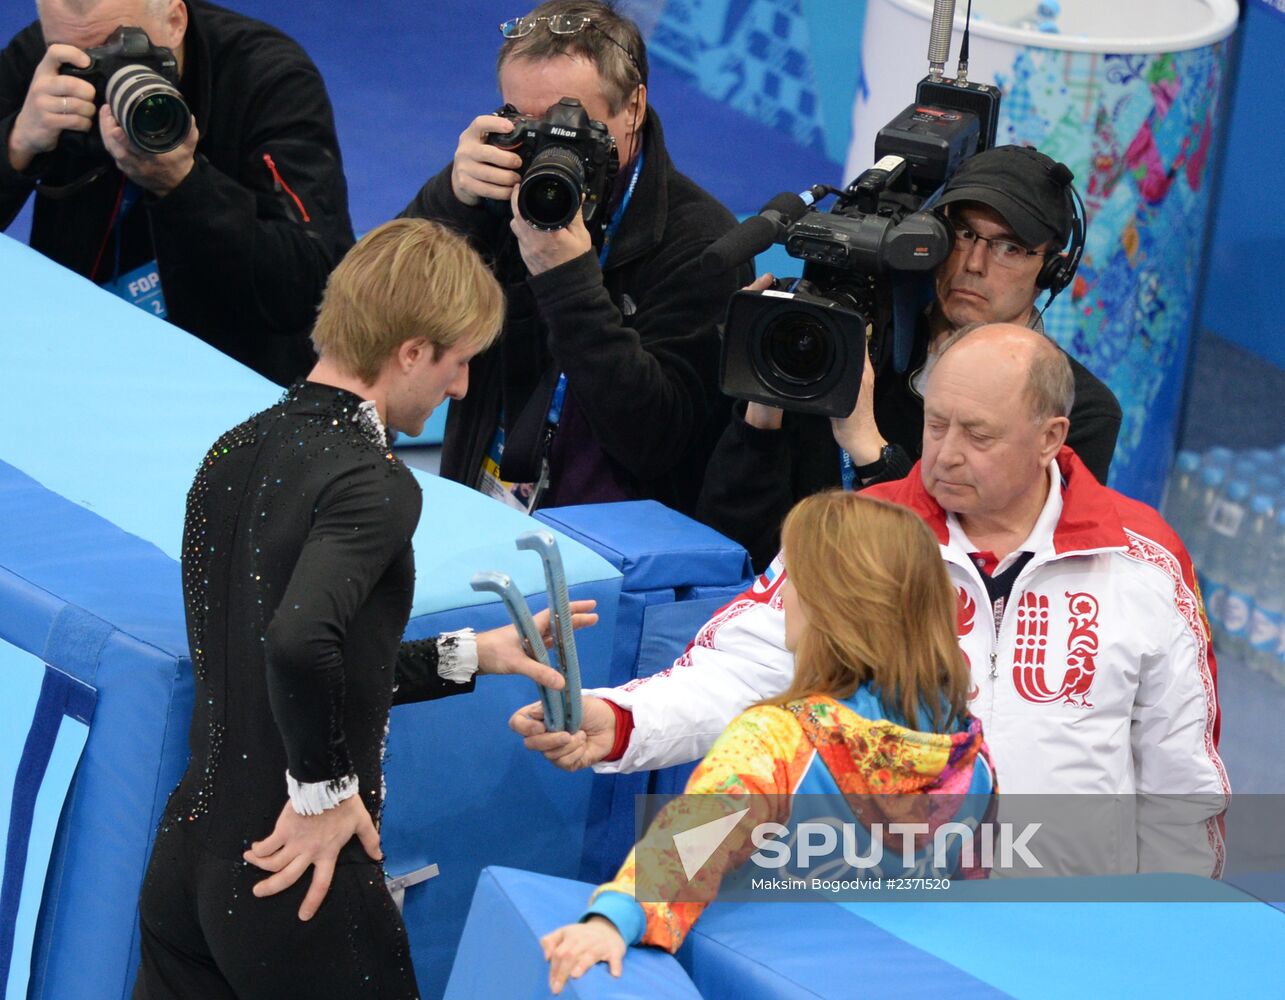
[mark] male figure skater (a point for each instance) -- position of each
(298, 577)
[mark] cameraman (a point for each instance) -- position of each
(604, 386)
(242, 222)
(1010, 213)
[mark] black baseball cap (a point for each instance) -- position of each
(1023, 185)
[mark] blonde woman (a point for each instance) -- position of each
(877, 714)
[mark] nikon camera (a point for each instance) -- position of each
(568, 159)
(139, 82)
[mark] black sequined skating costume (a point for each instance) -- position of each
(298, 576)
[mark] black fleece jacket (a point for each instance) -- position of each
(638, 341)
(245, 243)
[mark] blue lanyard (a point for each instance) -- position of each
(559, 394)
(847, 472)
(560, 390)
(129, 196)
(619, 213)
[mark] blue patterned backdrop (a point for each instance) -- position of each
(789, 64)
(1137, 130)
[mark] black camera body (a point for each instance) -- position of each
(569, 162)
(867, 263)
(139, 82)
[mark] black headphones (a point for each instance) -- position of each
(1059, 266)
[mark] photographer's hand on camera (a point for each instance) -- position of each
(481, 170)
(54, 104)
(543, 250)
(759, 415)
(157, 173)
(857, 433)
(763, 417)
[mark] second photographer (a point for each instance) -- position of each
(604, 386)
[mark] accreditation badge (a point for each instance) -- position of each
(141, 287)
(519, 496)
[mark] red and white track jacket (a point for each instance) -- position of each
(1099, 680)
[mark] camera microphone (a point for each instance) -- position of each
(756, 233)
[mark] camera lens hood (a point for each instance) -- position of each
(798, 351)
(149, 108)
(552, 188)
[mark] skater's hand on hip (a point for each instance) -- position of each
(299, 842)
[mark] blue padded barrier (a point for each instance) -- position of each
(104, 607)
(660, 553)
(1266, 886)
(42, 733)
(500, 957)
(781, 951)
(1226, 945)
(137, 746)
(463, 793)
(112, 413)
(651, 545)
(1010, 946)
(677, 573)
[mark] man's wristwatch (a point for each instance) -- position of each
(891, 460)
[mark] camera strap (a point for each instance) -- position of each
(58, 192)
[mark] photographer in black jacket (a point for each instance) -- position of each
(619, 307)
(242, 222)
(1012, 214)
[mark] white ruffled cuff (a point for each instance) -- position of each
(311, 798)
(457, 655)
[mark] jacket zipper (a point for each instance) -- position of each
(279, 186)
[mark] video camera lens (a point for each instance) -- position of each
(150, 109)
(552, 188)
(797, 349)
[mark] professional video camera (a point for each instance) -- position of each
(801, 345)
(139, 82)
(567, 158)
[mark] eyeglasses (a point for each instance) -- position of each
(1004, 252)
(562, 24)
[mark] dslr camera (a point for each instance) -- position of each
(867, 262)
(139, 82)
(568, 160)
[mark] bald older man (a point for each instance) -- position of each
(1093, 672)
